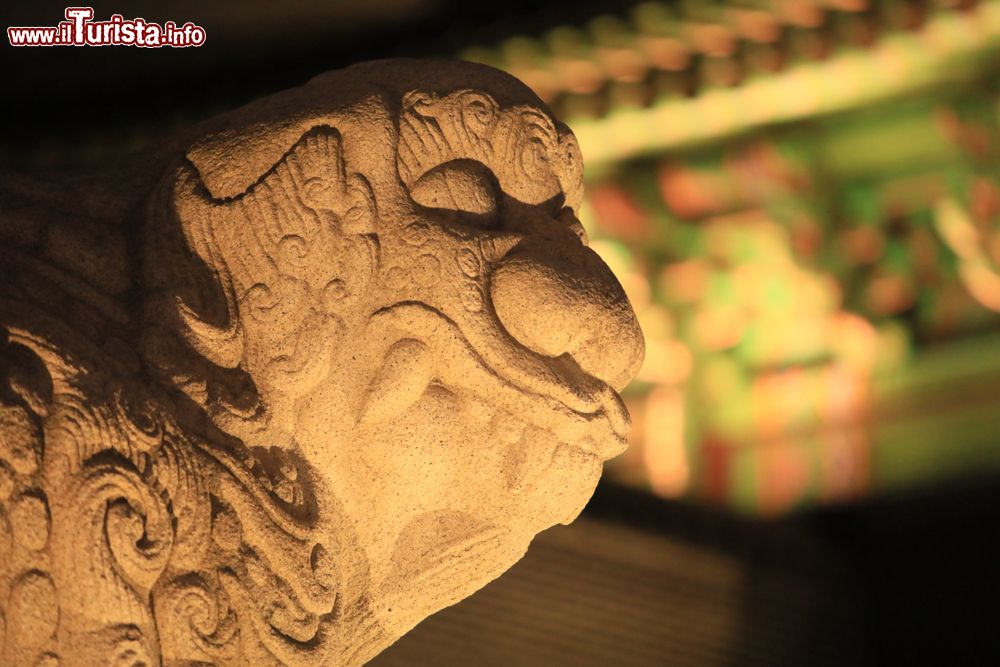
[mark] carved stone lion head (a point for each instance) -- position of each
(375, 313)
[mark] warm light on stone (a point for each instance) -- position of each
(261, 399)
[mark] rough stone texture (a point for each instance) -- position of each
(276, 391)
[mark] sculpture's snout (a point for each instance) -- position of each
(556, 296)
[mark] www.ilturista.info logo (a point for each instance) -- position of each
(80, 30)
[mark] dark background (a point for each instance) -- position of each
(74, 104)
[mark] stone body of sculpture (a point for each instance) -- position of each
(276, 391)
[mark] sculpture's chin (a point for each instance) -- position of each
(420, 586)
(582, 470)
(443, 556)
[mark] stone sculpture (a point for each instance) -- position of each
(281, 388)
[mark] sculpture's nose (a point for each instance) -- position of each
(556, 296)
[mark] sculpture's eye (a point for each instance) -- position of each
(464, 186)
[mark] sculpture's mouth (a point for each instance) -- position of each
(550, 394)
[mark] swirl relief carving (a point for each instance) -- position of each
(357, 355)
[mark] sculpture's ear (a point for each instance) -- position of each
(223, 345)
(229, 160)
(265, 229)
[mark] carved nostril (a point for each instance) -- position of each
(556, 304)
(567, 217)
